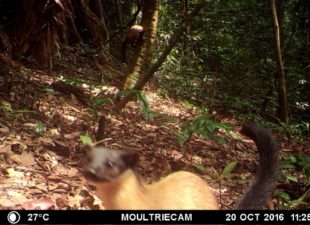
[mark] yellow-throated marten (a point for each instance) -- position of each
(113, 174)
(134, 38)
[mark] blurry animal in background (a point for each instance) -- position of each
(134, 38)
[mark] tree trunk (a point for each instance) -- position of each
(119, 12)
(150, 72)
(97, 8)
(97, 30)
(281, 83)
(141, 59)
(184, 54)
(37, 30)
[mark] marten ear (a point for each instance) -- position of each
(130, 159)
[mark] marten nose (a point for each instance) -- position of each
(90, 173)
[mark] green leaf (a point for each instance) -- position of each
(144, 104)
(293, 158)
(74, 81)
(296, 202)
(227, 170)
(126, 92)
(220, 140)
(46, 90)
(182, 139)
(307, 173)
(282, 195)
(290, 177)
(86, 140)
(205, 127)
(24, 111)
(199, 167)
(40, 127)
(99, 101)
(287, 165)
(7, 107)
(303, 160)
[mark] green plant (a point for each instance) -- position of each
(300, 163)
(226, 173)
(99, 101)
(295, 170)
(74, 81)
(289, 203)
(300, 130)
(95, 102)
(203, 126)
(86, 140)
(143, 102)
(40, 127)
(144, 105)
(44, 89)
(7, 107)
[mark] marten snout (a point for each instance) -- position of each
(103, 164)
(91, 169)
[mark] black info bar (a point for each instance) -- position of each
(154, 217)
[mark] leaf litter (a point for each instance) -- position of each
(41, 154)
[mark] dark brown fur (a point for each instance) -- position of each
(134, 38)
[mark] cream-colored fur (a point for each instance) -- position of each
(179, 190)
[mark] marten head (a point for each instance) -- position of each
(135, 35)
(106, 165)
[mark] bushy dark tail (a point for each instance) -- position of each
(266, 178)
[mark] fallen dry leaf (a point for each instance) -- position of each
(4, 130)
(61, 143)
(5, 148)
(29, 125)
(7, 203)
(72, 172)
(15, 174)
(75, 201)
(45, 141)
(54, 132)
(39, 204)
(27, 159)
(73, 135)
(16, 197)
(62, 202)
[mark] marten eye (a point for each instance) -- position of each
(109, 164)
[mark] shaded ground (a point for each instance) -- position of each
(41, 152)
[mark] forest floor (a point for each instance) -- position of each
(40, 127)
